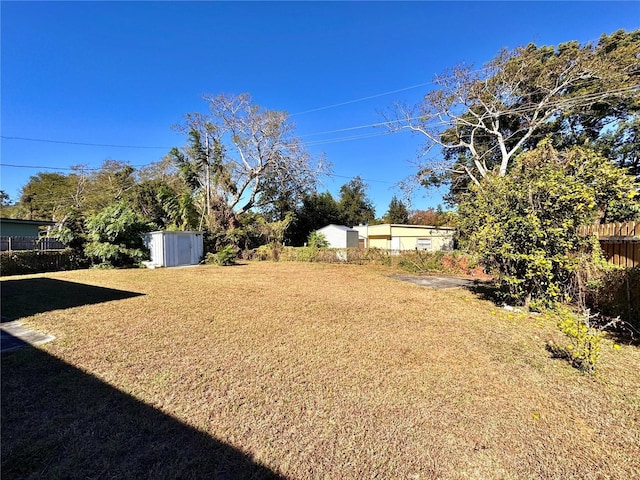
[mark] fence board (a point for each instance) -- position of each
(30, 243)
(620, 242)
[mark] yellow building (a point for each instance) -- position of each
(406, 237)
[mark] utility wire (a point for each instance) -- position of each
(80, 143)
(51, 195)
(362, 99)
(43, 167)
(348, 102)
(77, 169)
(523, 109)
(363, 179)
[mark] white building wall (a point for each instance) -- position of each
(340, 236)
(363, 234)
(154, 241)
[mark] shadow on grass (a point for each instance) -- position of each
(620, 332)
(10, 342)
(25, 297)
(487, 290)
(60, 422)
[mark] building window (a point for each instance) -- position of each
(424, 244)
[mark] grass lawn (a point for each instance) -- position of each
(300, 371)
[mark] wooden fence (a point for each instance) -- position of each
(620, 242)
(30, 243)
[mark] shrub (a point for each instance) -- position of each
(115, 236)
(364, 256)
(452, 263)
(583, 349)
(224, 257)
(34, 261)
(317, 240)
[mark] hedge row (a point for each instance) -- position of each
(452, 263)
(34, 261)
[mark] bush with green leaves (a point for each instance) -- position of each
(226, 256)
(452, 263)
(317, 240)
(583, 340)
(525, 225)
(114, 236)
(35, 261)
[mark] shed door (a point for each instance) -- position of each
(184, 250)
(395, 243)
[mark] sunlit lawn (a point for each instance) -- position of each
(312, 371)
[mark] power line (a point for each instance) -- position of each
(364, 179)
(346, 139)
(80, 143)
(78, 168)
(362, 99)
(523, 109)
(44, 168)
(348, 102)
(330, 175)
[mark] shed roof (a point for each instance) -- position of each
(177, 231)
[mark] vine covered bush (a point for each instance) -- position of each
(525, 225)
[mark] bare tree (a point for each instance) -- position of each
(481, 119)
(241, 154)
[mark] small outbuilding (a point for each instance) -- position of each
(397, 237)
(340, 236)
(174, 248)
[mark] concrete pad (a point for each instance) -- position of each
(438, 282)
(14, 336)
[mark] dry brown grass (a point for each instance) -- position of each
(337, 371)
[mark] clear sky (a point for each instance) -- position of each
(121, 73)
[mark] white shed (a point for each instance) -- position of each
(340, 236)
(174, 248)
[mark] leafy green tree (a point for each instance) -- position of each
(316, 210)
(273, 232)
(94, 190)
(397, 212)
(622, 145)
(5, 199)
(114, 236)
(7, 207)
(162, 197)
(354, 205)
(525, 226)
(435, 217)
(46, 196)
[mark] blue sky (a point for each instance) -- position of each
(121, 73)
